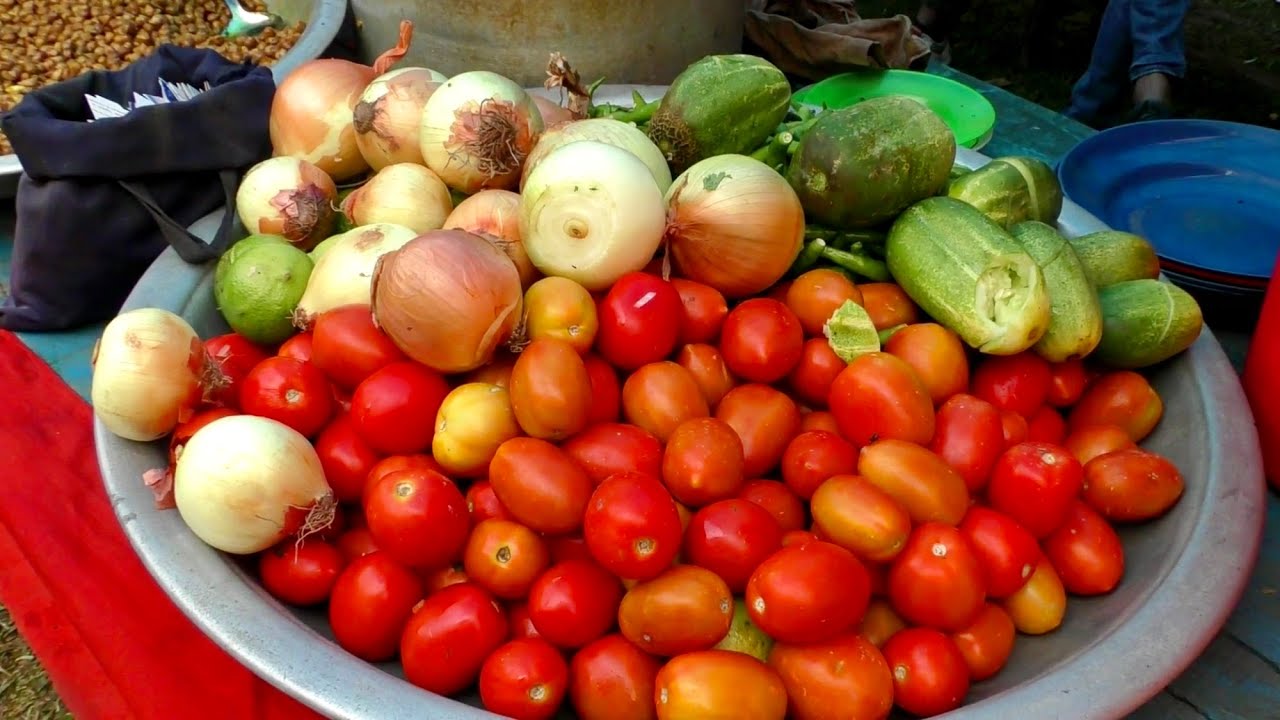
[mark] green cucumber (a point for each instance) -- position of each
(969, 274)
(1112, 256)
(719, 105)
(861, 165)
(1075, 326)
(1145, 322)
(1011, 190)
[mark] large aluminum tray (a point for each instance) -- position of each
(1185, 571)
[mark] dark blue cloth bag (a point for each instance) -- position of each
(99, 201)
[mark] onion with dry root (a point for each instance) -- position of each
(149, 374)
(608, 131)
(733, 223)
(244, 483)
(591, 212)
(312, 110)
(387, 117)
(495, 216)
(448, 299)
(477, 129)
(343, 274)
(289, 197)
(402, 194)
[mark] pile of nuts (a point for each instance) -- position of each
(45, 42)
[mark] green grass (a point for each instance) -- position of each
(25, 690)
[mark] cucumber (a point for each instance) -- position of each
(1011, 190)
(1145, 322)
(1112, 256)
(1075, 326)
(969, 274)
(719, 105)
(861, 165)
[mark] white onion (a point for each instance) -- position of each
(388, 116)
(608, 131)
(343, 274)
(287, 196)
(402, 194)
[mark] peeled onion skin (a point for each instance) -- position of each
(288, 197)
(495, 216)
(387, 117)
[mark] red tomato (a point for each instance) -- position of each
(661, 395)
(569, 547)
(798, 537)
(1007, 552)
(348, 347)
(1132, 485)
(858, 516)
(880, 623)
(371, 601)
(612, 679)
(1015, 428)
(1067, 381)
(345, 457)
(521, 623)
(775, 497)
(879, 396)
(1034, 483)
(446, 641)
(703, 462)
(987, 642)
(815, 296)
(355, 542)
(639, 321)
(441, 578)
(574, 602)
(1047, 426)
(1019, 383)
(540, 485)
(631, 526)
(297, 347)
(811, 378)
(791, 598)
(888, 305)
(550, 390)
(969, 435)
(930, 675)
(765, 420)
(418, 517)
(812, 457)
(1089, 442)
(235, 357)
(702, 311)
(818, 420)
(923, 483)
(1086, 552)
(483, 503)
(707, 367)
(184, 431)
(843, 677)
(395, 407)
(761, 340)
(936, 355)
(606, 391)
(395, 463)
(525, 679)
(292, 392)
(1122, 398)
(685, 609)
(301, 573)
(731, 538)
(505, 557)
(936, 581)
(608, 448)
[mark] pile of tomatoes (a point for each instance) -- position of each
(661, 506)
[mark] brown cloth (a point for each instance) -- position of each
(815, 39)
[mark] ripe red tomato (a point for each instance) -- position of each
(505, 557)
(1123, 398)
(345, 457)
(301, 573)
(297, 347)
(790, 596)
(661, 395)
(483, 503)
(395, 463)
(936, 580)
(923, 483)
(731, 538)
(1034, 483)
(418, 517)
(1007, 552)
(631, 526)
(612, 679)
(930, 675)
(702, 311)
(761, 340)
(776, 498)
(608, 448)
(1015, 428)
(858, 516)
(441, 578)
(524, 679)
(798, 537)
(1089, 442)
(879, 396)
(1047, 426)
(1132, 485)
(235, 357)
(1067, 381)
(292, 392)
(819, 366)
(703, 462)
(812, 457)
(969, 435)
(550, 390)
(446, 641)
(937, 356)
(888, 305)
(395, 407)
(818, 420)
(707, 367)
(639, 321)
(1086, 552)
(815, 296)
(370, 603)
(880, 623)
(765, 419)
(355, 542)
(520, 622)
(574, 602)
(719, 684)
(569, 547)
(987, 642)
(540, 485)
(606, 391)
(845, 676)
(1019, 383)
(685, 609)
(348, 347)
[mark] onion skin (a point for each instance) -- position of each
(605, 130)
(289, 197)
(402, 194)
(448, 299)
(342, 275)
(311, 116)
(387, 118)
(495, 216)
(552, 112)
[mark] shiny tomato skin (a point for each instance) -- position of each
(703, 462)
(346, 458)
(446, 641)
(765, 419)
(612, 679)
(719, 684)
(930, 675)
(702, 311)
(778, 499)
(936, 580)
(1038, 606)
(860, 517)
(606, 390)
(798, 537)
(1067, 381)
(1132, 485)
(441, 578)
(561, 309)
(819, 366)
(1089, 442)
(639, 321)
(298, 347)
(395, 407)
(631, 526)
(569, 547)
(520, 622)
(819, 420)
(661, 395)
(731, 538)
(371, 601)
(1086, 552)
(348, 347)
(574, 602)
(878, 396)
(1034, 483)
(1015, 428)
(235, 357)
(815, 296)
(610, 448)
(923, 483)
(987, 642)
(686, 608)
(880, 623)
(505, 557)
(550, 390)
(1047, 426)
(888, 305)
(1007, 552)
(1019, 383)
(473, 420)
(496, 372)
(289, 391)
(418, 517)
(525, 679)
(969, 435)
(540, 485)
(483, 503)
(790, 597)
(706, 365)
(845, 677)
(937, 356)
(1121, 397)
(761, 340)
(301, 573)
(393, 463)
(812, 457)
(355, 542)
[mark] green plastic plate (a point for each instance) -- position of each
(969, 114)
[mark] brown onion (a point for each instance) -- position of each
(448, 299)
(495, 216)
(402, 194)
(387, 117)
(551, 111)
(289, 197)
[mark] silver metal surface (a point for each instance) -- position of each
(1184, 574)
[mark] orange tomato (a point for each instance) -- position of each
(706, 364)
(923, 483)
(496, 372)
(550, 390)
(473, 420)
(860, 517)
(880, 623)
(937, 356)
(560, 309)
(987, 642)
(702, 462)
(505, 557)
(844, 677)
(1131, 485)
(659, 396)
(888, 305)
(540, 485)
(719, 684)
(815, 295)
(1089, 442)
(1038, 606)
(1123, 398)
(765, 419)
(819, 420)
(686, 608)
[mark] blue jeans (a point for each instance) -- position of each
(1137, 37)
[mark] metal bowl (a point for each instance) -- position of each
(323, 20)
(1185, 571)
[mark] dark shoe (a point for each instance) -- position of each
(1148, 110)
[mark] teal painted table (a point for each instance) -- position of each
(1237, 677)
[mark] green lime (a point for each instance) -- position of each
(744, 636)
(850, 332)
(260, 289)
(241, 246)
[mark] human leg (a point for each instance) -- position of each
(1107, 76)
(1158, 51)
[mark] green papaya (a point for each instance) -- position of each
(1011, 190)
